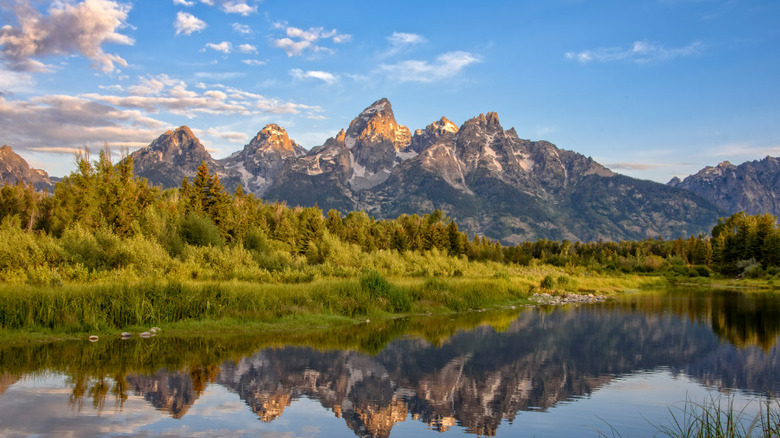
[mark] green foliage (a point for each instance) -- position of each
(100, 195)
(743, 237)
(566, 283)
(199, 230)
(548, 282)
(380, 289)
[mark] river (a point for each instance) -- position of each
(625, 366)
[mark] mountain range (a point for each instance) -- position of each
(752, 187)
(14, 168)
(488, 179)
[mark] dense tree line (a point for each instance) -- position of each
(106, 199)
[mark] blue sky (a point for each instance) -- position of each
(650, 88)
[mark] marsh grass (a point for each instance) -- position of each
(722, 419)
(716, 418)
(114, 305)
(134, 283)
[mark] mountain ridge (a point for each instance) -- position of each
(14, 168)
(752, 187)
(488, 179)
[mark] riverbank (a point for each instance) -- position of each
(107, 308)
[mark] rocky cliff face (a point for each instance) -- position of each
(172, 156)
(262, 158)
(14, 168)
(752, 187)
(496, 184)
(489, 179)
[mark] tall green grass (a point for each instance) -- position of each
(718, 419)
(116, 305)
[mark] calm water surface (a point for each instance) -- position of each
(572, 370)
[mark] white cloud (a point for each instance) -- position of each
(224, 47)
(328, 78)
(405, 39)
(187, 23)
(445, 66)
(640, 52)
(247, 48)
(59, 123)
(231, 136)
(243, 29)
(11, 81)
(253, 62)
(400, 41)
(68, 29)
(154, 94)
(238, 7)
(342, 38)
(183, 3)
(299, 41)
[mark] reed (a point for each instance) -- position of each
(114, 305)
(713, 418)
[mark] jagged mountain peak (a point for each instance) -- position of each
(377, 124)
(179, 138)
(381, 106)
(752, 187)
(172, 156)
(14, 168)
(373, 119)
(488, 122)
(442, 126)
(341, 136)
(181, 134)
(424, 138)
(274, 138)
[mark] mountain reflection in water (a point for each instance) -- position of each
(476, 379)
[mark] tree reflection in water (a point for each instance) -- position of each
(430, 370)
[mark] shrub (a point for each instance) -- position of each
(566, 282)
(548, 282)
(378, 288)
(200, 230)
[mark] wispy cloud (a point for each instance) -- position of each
(299, 41)
(238, 7)
(253, 62)
(68, 29)
(183, 3)
(60, 123)
(444, 66)
(640, 52)
(243, 29)
(153, 94)
(224, 47)
(247, 48)
(400, 41)
(231, 136)
(11, 81)
(328, 78)
(187, 23)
